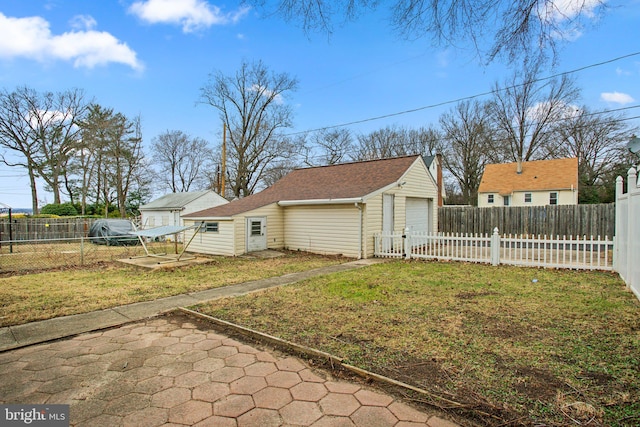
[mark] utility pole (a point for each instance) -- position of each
(224, 160)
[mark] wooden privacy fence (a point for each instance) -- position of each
(564, 220)
(44, 228)
(587, 253)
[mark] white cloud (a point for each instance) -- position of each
(193, 15)
(565, 16)
(31, 38)
(268, 93)
(617, 97)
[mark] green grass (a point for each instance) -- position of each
(30, 297)
(562, 350)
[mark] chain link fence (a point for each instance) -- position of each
(41, 254)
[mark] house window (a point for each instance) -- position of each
(209, 227)
(527, 197)
(490, 198)
(256, 228)
(165, 220)
(506, 200)
(553, 198)
(152, 221)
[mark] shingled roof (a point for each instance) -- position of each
(173, 200)
(343, 181)
(538, 175)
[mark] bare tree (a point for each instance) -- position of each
(395, 141)
(181, 160)
(466, 134)
(17, 136)
(252, 104)
(524, 112)
(513, 28)
(329, 147)
(597, 139)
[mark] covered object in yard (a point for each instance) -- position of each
(113, 232)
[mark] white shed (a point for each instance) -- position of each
(168, 209)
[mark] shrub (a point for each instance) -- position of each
(61, 209)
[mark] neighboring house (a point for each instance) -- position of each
(535, 183)
(434, 164)
(167, 209)
(329, 209)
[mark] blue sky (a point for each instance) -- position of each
(151, 57)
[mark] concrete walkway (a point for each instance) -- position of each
(128, 366)
(37, 332)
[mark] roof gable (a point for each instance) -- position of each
(343, 181)
(538, 175)
(174, 200)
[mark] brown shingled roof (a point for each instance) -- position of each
(343, 181)
(538, 175)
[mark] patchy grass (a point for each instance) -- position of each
(26, 298)
(564, 350)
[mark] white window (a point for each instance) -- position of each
(527, 197)
(256, 228)
(506, 200)
(490, 198)
(209, 227)
(553, 198)
(165, 220)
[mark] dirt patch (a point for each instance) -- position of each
(537, 384)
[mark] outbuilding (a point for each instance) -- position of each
(333, 209)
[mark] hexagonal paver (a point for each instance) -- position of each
(309, 376)
(208, 365)
(191, 379)
(127, 404)
(370, 398)
(210, 392)
(374, 416)
(104, 420)
(179, 348)
(331, 421)
(272, 398)
(339, 387)
(233, 405)
(407, 413)
(193, 338)
(260, 417)
(248, 385)
(228, 374)
(154, 384)
(166, 341)
(290, 364)
(240, 360)
(192, 356)
(264, 356)
(207, 344)
(216, 421)
(175, 369)
(300, 413)
(223, 351)
(260, 369)
(170, 397)
(190, 412)
(159, 360)
(311, 392)
(283, 379)
(339, 404)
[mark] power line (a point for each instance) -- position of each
(466, 98)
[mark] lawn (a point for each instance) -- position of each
(512, 346)
(29, 297)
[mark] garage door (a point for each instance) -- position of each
(417, 214)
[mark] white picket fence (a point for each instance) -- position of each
(541, 251)
(627, 259)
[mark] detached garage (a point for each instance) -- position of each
(329, 210)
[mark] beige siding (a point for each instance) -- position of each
(372, 215)
(538, 198)
(275, 227)
(220, 243)
(324, 229)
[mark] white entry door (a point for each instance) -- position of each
(256, 234)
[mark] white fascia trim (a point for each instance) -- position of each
(209, 218)
(320, 202)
